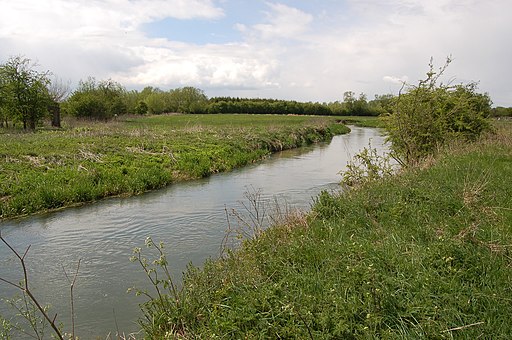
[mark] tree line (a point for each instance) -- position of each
(27, 96)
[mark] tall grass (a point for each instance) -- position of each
(424, 254)
(87, 161)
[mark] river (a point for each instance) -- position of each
(189, 217)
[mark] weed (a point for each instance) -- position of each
(367, 166)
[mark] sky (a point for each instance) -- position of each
(286, 49)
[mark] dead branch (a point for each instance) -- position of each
(25, 287)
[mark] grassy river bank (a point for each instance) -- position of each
(87, 161)
(426, 253)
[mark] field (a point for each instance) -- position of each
(363, 121)
(423, 254)
(87, 161)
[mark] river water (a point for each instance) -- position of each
(189, 217)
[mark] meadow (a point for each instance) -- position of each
(88, 160)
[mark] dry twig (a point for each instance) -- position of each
(24, 287)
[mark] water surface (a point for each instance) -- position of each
(189, 217)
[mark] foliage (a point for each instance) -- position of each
(28, 322)
(158, 273)
(5, 328)
(97, 100)
(366, 166)
(356, 106)
(141, 108)
(188, 100)
(24, 95)
(92, 160)
(155, 101)
(501, 111)
(158, 102)
(422, 255)
(265, 106)
(360, 106)
(431, 114)
(351, 106)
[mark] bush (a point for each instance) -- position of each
(102, 100)
(428, 116)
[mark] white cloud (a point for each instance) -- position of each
(283, 22)
(88, 38)
(63, 19)
(358, 45)
(231, 65)
(396, 80)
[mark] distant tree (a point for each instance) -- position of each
(357, 106)
(188, 100)
(265, 106)
(24, 91)
(157, 102)
(4, 100)
(501, 111)
(131, 100)
(382, 104)
(349, 98)
(97, 100)
(149, 90)
(141, 108)
(337, 108)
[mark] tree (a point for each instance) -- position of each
(97, 100)
(141, 108)
(188, 100)
(431, 114)
(24, 92)
(382, 104)
(157, 102)
(4, 101)
(501, 111)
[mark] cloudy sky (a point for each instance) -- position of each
(291, 49)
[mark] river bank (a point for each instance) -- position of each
(89, 161)
(188, 216)
(425, 253)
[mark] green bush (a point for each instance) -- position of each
(429, 115)
(94, 100)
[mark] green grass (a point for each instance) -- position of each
(363, 121)
(425, 254)
(87, 161)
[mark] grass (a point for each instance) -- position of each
(87, 161)
(424, 254)
(363, 121)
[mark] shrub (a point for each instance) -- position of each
(102, 100)
(429, 115)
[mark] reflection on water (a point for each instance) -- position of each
(188, 217)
